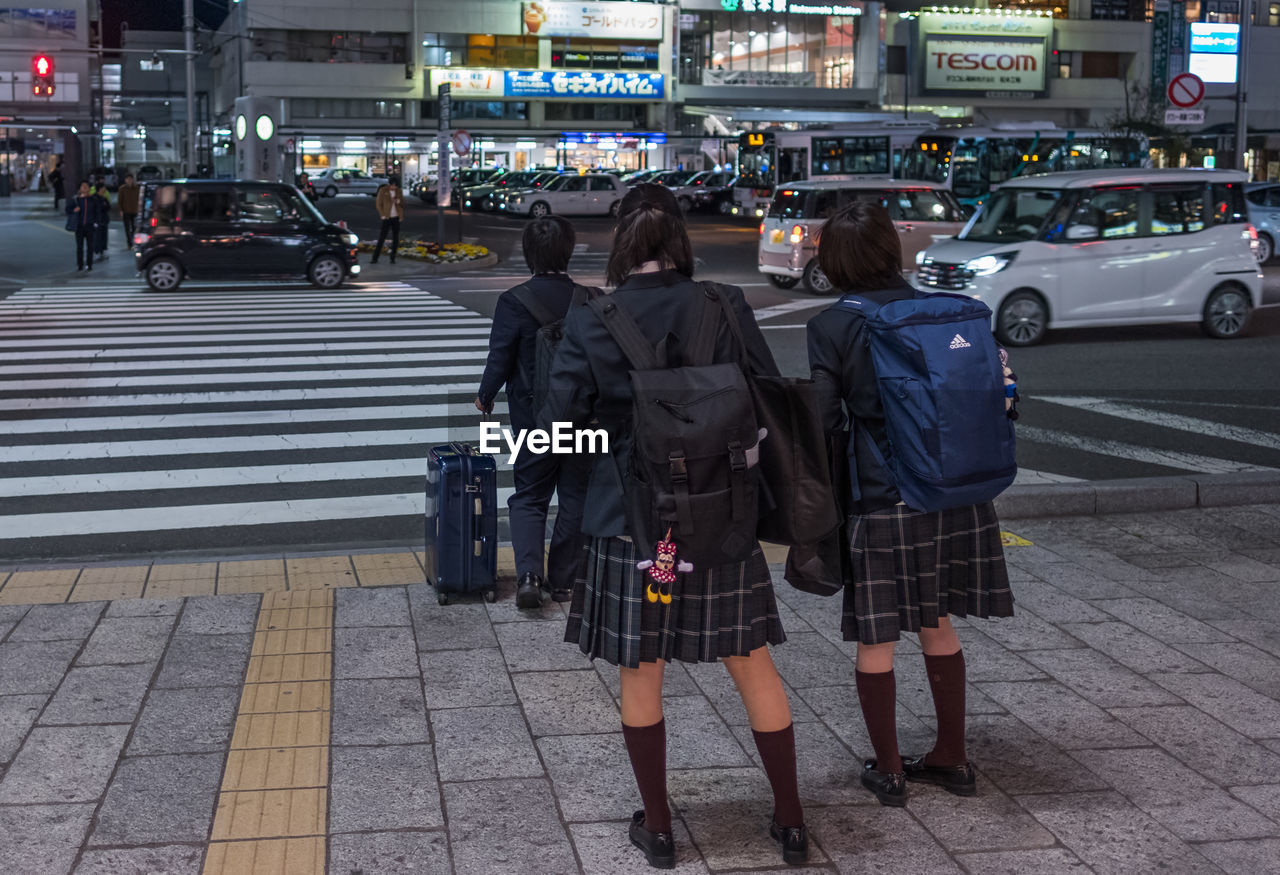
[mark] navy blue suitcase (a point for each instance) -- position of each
(462, 522)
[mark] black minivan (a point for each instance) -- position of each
(234, 229)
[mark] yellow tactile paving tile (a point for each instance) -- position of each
(296, 618)
(34, 595)
(387, 569)
(267, 814)
(303, 856)
(289, 667)
(280, 698)
(250, 583)
(322, 580)
(278, 642)
(45, 578)
(250, 567)
(180, 587)
(183, 571)
(109, 583)
(281, 768)
(302, 599)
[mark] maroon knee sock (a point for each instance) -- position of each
(647, 747)
(878, 694)
(778, 754)
(946, 681)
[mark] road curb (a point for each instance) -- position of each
(1139, 495)
(413, 267)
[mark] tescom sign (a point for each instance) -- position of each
(984, 53)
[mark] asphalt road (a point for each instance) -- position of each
(258, 417)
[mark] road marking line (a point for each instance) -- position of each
(279, 396)
(791, 307)
(272, 812)
(224, 353)
(1135, 453)
(184, 366)
(191, 341)
(1204, 427)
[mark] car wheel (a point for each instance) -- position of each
(724, 208)
(326, 272)
(488, 205)
(1266, 248)
(539, 210)
(1226, 312)
(815, 280)
(164, 274)
(331, 191)
(685, 203)
(1023, 319)
(613, 208)
(783, 282)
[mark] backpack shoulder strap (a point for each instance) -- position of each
(716, 295)
(857, 304)
(538, 310)
(582, 294)
(701, 348)
(625, 332)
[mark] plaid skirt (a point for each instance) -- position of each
(910, 568)
(728, 610)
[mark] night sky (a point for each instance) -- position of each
(156, 15)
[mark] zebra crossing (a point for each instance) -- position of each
(585, 264)
(222, 417)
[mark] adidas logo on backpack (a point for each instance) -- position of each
(959, 342)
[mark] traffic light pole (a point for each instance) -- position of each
(1242, 86)
(189, 38)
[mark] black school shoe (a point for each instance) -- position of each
(889, 787)
(659, 847)
(529, 591)
(794, 841)
(562, 595)
(959, 779)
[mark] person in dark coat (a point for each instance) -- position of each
(548, 246)
(128, 196)
(56, 182)
(911, 569)
(85, 212)
(100, 235)
(726, 613)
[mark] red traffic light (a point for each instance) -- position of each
(42, 65)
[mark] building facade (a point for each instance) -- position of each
(616, 83)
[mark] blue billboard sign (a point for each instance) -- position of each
(584, 84)
(1216, 39)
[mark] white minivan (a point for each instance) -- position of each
(1105, 247)
(788, 251)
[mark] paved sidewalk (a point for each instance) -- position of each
(1127, 720)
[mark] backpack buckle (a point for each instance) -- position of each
(737, 457)
(679, 472)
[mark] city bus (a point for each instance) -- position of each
(767, 159)
(973, 161)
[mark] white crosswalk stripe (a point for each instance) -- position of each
(222, 417)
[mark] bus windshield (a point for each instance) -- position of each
(930, 161)
(1012, 215)
(755, 168)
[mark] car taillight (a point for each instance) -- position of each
(140, 239)
(797, 233)
(1253, 234)
(762, 229)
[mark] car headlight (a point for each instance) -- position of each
(920, 257)
(352, 240)
(986, 265)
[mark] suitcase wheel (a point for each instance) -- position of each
(442, 598)
(491, 595)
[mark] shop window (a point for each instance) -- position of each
(338, 107)
(603, 55)
(322, 46)
(505, 52)
(444, 49)
(1064, 60)
(627, 113)
(1273, 14)
(37, 25)
(485, 110)
(768, 49)
(1099, 65)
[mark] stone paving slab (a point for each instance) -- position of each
(1126, 720)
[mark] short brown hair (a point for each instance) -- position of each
(650, 228)
(859, 249)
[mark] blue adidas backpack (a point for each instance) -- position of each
(942, 388)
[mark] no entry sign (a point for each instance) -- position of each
(1186, 90)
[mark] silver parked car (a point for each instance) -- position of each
(1264, 214)
(341, 180)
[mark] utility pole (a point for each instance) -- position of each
(1242, 85)
(189, 37)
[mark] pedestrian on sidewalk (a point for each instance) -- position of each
(726, 612)
(100, 233)
(390, 206)
(911, 568)
(84, 214)
(520, 312)
(127, 196)
(56, 181)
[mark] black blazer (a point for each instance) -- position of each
(840, 363)
(512, 345)
(590, 377)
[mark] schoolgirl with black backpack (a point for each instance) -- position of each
(673, 569)
(916, 388)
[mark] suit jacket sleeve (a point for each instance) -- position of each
(572, 390)
(758, 352)
(504, 348)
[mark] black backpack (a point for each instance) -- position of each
(550, 331)
(691, 468)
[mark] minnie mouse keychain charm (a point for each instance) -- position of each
(663, 570)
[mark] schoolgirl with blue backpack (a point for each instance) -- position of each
(917, 389)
